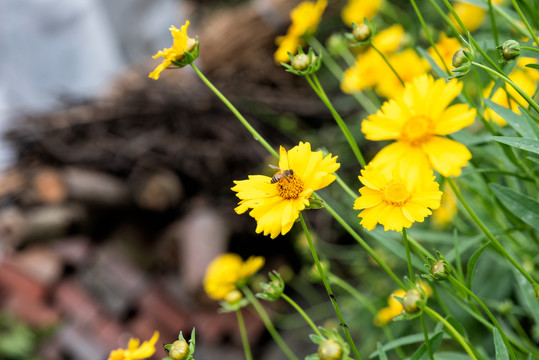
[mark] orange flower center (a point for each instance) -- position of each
(417, 130)
(289, 187)
(395, 193)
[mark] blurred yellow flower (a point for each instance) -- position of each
(472, 16)
(356, 10)
(523, 78)
(396, 197)
(417, 119)
(408, 65)
(385, 315)
(447, 210)
(276, 202)
(226, 271)
(447, 47)
(182, 43)
(305, 18)
(134, 350)
(389, 40)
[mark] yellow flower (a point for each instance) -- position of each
(389, 40)
(182, 43)
(416, 120)
(523, 80)
(408, 65)
(356, 10)
(276, 206)
(134, 351)
(396, 197)
(385, 315)
(305, 18)
(447, 210)
(472, 16)
(447, 47)
(226, 271)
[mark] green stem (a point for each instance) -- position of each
(302, 313)
(244, 338)
(525, 21)
(529, 48)
(240, 117)
(388, 63)
(426, 334)
(317, 87)
(328, 288)
(408, 255)
(461, 286)
(510, 82)
(493, 22)
(488, 234)
(453, 332)
(269, 325)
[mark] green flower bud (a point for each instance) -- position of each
(178, 350)
(409, 301)
(459, 58)
(301, 62)
(361, 32)
(233, 297)
(438, 270)
(274, 289)
(510, 50)
(330, 350)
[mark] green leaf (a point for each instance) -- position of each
(406, 340)
(533, 66)
(516, 121)
(381, 353)
(471, 264)
(422, 354)
(522, 206)
(531, 122)
(530, 145)
(499, 346)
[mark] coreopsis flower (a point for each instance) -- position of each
(305, 18)
(511, 98)
(447, 47)
(408, 65)
(227, 272)
(396, 197)
(356, 10)
(417, 120)
(182, 43)
(389, 40)
(135, 350)
(276, 202)
(472, 16)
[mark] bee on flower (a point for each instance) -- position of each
(276, 204)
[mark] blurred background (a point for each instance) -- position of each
(115, 188)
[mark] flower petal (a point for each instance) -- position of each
(453, 119)
(446, 156)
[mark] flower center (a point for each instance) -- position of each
(289, 187)
(417, 129)
(395, 193)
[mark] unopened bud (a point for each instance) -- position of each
(330, 350)
(438, 270)
(301, 62)
(510, 50)
(233, 297)
(178, 350)
(361, 32)
(409, 301)
(459, 58)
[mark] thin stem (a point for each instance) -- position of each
(269, 325)
(510, 82)
(529, 48)
(426, 334)
(302, 313)
(328, 288)
(244, 338)
(408, 255)
(489, 235)
(240, 117)
(525, 21)
(461, 286)
(388, 63)
(456, 335)
(317, 87)
(493, 22)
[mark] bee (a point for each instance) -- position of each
(282, 174)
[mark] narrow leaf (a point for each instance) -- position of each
(422, 353)
(530, 145)
(471, 265)
(381, 352)
(515, 120)
(522, 206)
(531, 122)
(499, 346)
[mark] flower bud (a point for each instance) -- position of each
(510, 50)
(409, 301)
(330, 350)
(178, 350)
(361, 32)
(438, 270)
(301, 62)
(233, 297)
(459, 58)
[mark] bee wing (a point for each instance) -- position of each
(274, 167)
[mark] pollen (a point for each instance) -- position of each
(289, 187)
(417, 130)
(396, 193)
